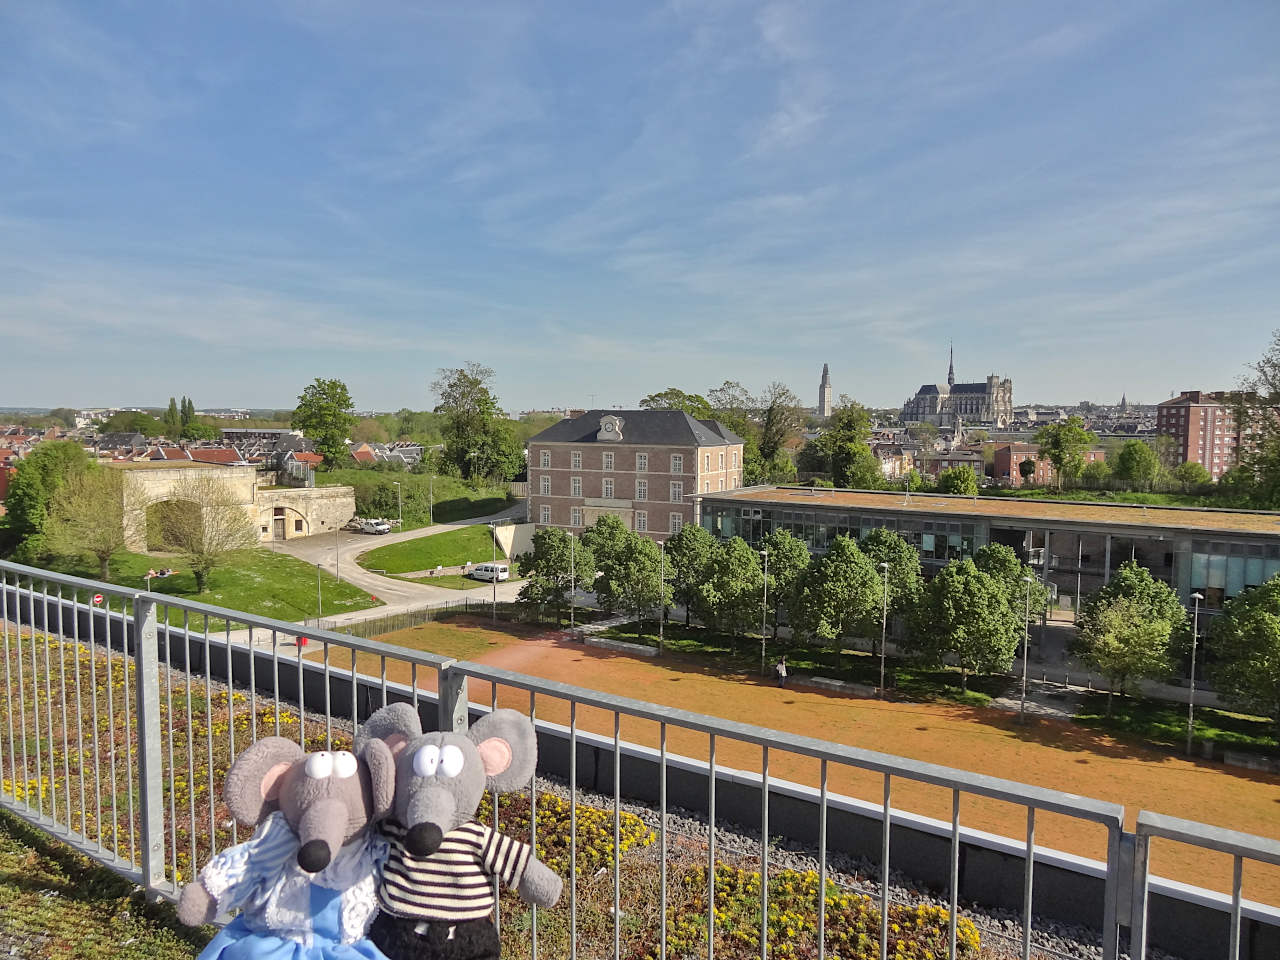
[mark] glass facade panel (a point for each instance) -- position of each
(1217, 573)
(1235, 575)
(1254, 569)
(1199, 571)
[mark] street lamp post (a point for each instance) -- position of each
(431, 500)
(884, 622)
(493, 532)
(662, 593)
(1191, 697)
(764, 613)
(399, 504)
(319, 598)
(1026, 643)
(335, 553)
(573, 580)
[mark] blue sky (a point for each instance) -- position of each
(603, 199)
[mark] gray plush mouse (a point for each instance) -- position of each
(437, 893)
(307, 879)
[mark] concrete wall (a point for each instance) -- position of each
(146, 485)
(314, 509)
(515, 538)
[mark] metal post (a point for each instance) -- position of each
(146, 646)
(1079, 572)
(1191, 696)
(319, 597)
(884, 623)
(493, 532)
(662, 592)
(431, 500)
(399, 503)
(452, 705)
(335, 552)
(573, 580)
(1026, 651)
(764, 613)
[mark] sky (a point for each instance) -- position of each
(601, 200)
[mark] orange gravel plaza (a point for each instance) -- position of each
(1048, 753)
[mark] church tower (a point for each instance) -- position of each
(951, 367)
(824, 393)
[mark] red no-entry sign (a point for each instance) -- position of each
(97, 599)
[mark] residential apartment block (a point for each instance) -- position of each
(1204, 426)
(641, 465)
(1008, 457)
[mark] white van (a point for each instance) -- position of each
(491, 572)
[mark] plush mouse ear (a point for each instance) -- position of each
(508, 747)
(395, 725)
(253, 782)
(381, 764)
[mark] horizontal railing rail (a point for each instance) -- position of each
(126, 707)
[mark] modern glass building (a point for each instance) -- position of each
(1076, 545)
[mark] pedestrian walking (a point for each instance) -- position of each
(780, 671)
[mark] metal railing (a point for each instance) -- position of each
(125, 709)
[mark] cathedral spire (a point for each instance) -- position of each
(951, 367)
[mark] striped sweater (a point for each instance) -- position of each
(454, 883)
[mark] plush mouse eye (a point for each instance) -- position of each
(426, 760)
(345, 764)
(451, 761)
(319, 765)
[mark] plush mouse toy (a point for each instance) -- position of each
(306, 881)
(437, 891)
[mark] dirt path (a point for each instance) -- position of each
(1047, 752)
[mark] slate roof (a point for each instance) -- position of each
(969, 388)
(646, 427)
(216, 455)
(117, 441)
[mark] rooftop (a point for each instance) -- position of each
(648, 427)
(1001, 508)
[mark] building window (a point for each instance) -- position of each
(546, 458)
(677, 491)
(721, 459)
(545, 485)
(546, 513)
(735, 459)
(677, 463)
(575, 486)
(297, 526)
(677, 521)
(722, 483)
(607, 488)
(264, 529)
(706, 486)
(642, 521)
(706, 461)
(279, 512)
(575, 459)
(608, 460)
(575, 516)
(642, 463)
(642, 489)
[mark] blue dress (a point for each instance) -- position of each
(286, 913)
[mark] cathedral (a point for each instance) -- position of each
(989, 403)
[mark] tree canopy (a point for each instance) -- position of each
(1245, 640)
(840, 590)
(1257, 411)
(86, 516)
(1064, 445)
(40, 475)
(958, 479)
(554, 567)
(324, 414)
(1123, 642)
(1134, 582)
(1137, 464)
(694, 404)
(478, 441)
(965, 613)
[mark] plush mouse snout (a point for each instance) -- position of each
(431, 814)
(424, 839)
(313, 856)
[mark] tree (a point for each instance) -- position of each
(1122, 643)
(1166, 451)
(959, 480)
(49, 465)
(689, 554)
(187, 413)
(734, 407)
(172, 420)
(853, 465)
(478, 441)
(205, 522)
(133, 421)
(195, 430)
(923, 433)
(999, 561)
(631, 578)
(64, 415)
(1095, 473)
(780, 419)
(977, 436)
(1156, 599)
(789, 558)
(842, 449)
(734, 591)
(607, 540)
(554, 568)
(1257, 413)
(840, 590)
(324, 415)
(86, 516)
(905, 578)
(369, 430)
(694, 404)
(1192, 474)
(1026, 469)
(965, 613)
(913, 480)
(1064, 445)
(1245, 640)
(1137, 464)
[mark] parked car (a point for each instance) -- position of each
(491, 571)
(375, 526)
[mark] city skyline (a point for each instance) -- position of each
(244, 198)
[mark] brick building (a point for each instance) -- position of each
(640, 465)
(1204, 427)
(1008, 456)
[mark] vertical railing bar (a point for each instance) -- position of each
(764, 852)
(955, 874)
(711, 847)
(1111, 896)
(127, 661)
(617, 835)
(231, 716)
(66, 743)
(533, 820)
(1138, 921)
(191, 742)
(328, 712)
(208, 730)
(8, 682)
(1237, 882)
(75, 630)
(822, 860)
(253, 687)
(275, 678)
(497, 902)
(662, 838)
(383, 658)
(1026, 883)
(884, 869)
(169, 781)
(302, 694)
(35, 698)
(413, 687)
(48, 706)
(573, 830)
(93, 693)
(355, 689)
(111, 735)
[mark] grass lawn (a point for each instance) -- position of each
(1162, 722)
(450, 581)
(58, 903)
(856, 666)
(376, 496)
(1109, 496)
(450, 549)
(256, 581)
